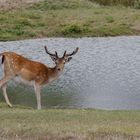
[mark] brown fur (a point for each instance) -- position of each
(17, 65)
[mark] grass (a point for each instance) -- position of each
(26, 123)
(68, 18)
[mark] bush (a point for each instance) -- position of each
(71, 29)
(116, 2)
(110, 19)
(137, 4)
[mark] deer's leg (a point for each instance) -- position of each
(38, 97)
(5, 95)
(4, 80)
(3, 85)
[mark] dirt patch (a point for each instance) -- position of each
(13, 4)
(136, 28)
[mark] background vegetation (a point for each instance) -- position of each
(67, 18)
(132, 3)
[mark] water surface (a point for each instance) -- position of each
(104, 74)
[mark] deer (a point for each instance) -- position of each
(16, 65)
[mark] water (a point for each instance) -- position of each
(104, 74)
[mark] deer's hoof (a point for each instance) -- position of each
(39, 108)
(10, 105)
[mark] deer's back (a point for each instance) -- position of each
(19, 65)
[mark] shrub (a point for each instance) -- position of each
(71, 29)
(137, 4)
(110, 19)
(115, 2)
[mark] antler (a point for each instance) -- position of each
(73, 53)
(56, 55)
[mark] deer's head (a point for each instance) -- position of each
(61, 61)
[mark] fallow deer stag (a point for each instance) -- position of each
(39, 74)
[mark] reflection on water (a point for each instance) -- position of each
(104, 74)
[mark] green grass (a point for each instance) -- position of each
(68, 18)
(27, 123)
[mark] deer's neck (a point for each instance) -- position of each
(53, 74)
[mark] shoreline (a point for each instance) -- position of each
(75, 38)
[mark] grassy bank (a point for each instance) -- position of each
(67, 18)
(73, 124)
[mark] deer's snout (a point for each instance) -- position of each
(59, 69)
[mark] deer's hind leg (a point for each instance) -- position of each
(4, 80)
(3, 84)
(5, 95)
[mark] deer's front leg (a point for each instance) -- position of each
(38, 97)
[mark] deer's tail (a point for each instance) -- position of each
(3, 57)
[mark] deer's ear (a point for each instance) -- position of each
(68, 59)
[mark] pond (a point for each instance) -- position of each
(104, 74)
